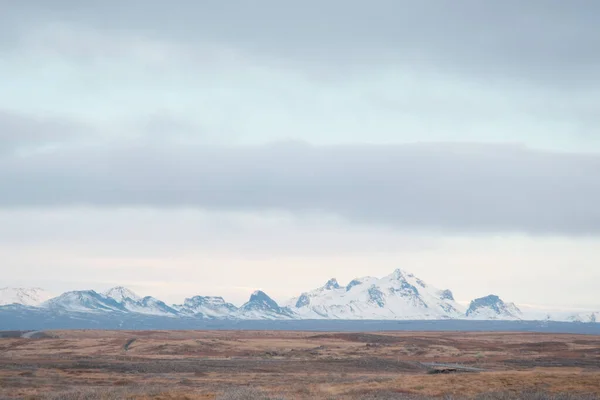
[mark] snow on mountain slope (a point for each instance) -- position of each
(261, 306)
(561, 314)
(586, 316)
(400, 295)
(118, 299)
(24, 296)
(149, 305)
(207, 307)
(132, 302)
(88, 301)
(120, 293)
(592, 317)
(492, 307)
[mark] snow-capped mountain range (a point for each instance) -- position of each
(398, 296)
(118, 299)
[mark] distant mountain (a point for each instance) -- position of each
(23, 296)
(118, 299)
(261, 306)
(399, 295)
(149, 305)
(87, 301)
(207, 307)
(132, 302)
(590, 317)
(492, 307)
(120, 293)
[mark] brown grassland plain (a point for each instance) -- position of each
(295, 365)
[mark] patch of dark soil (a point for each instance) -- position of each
(538, 346)
(371, 364)
(195, 366)
(360, 337)
(554, 362)
(128, 344)
(587, 342)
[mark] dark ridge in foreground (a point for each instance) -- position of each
(30, 319)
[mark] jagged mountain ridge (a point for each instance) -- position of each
(206, 307)
(118, 299)
(123, 300)
(261, 306)
(88, 301)
(120, 293)
(23, 296)
(143, 305)
(398, 296)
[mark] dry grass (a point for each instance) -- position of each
(295, 365)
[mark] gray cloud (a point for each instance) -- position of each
(554, 41)
(17, 130)
(453, 187)
(164, 127)
(393, 71)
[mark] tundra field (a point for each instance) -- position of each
(229, 365)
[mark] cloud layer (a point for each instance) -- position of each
(552, 40)
(461, 188)
(325, 72)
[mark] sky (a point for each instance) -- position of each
(213, 148)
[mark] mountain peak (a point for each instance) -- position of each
(120, 293)
(303, 300)
(261, 297)
(260, 305)
(446, 295)
(492, 307)
(400, 274)
(491, 300)
(332, 284)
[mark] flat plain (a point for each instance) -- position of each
(97, 364)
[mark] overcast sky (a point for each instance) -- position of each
(212, 148)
